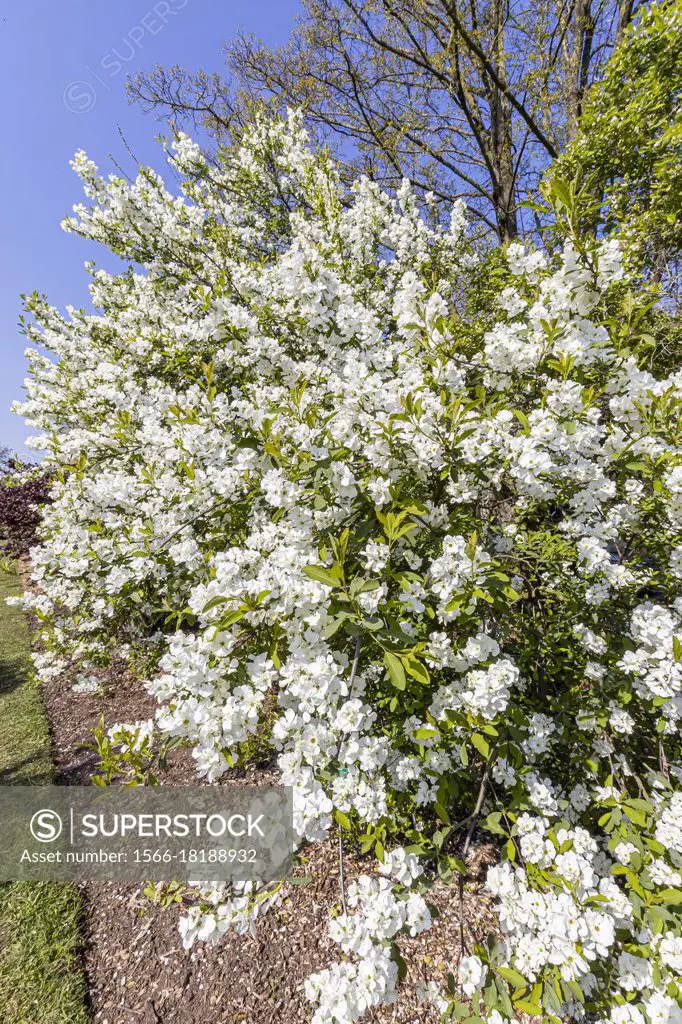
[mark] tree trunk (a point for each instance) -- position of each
(501, 128)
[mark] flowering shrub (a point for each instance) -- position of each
(412, 518)
(23, 489)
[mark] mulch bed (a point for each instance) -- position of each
(137, 970)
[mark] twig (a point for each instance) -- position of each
(353, 673)
(211, 506)
(127, 145)
(124, 174)
(342, 884)
(477, 810)
(506, 820)
(356, 662)
(467, 842)
(663, 761)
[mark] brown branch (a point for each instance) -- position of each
(475, 815)
(502, 85)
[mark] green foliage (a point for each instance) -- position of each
(628, 155)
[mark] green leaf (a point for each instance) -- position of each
(492, 824)
(635, 884)
(490, 994)
(523, 420)
(489, 730)
(426, 734)
(441, 812)
(232, 617)
(551, 999)
(470, 548)
(677, 648)
(641, 805)
(395, 670)
(335, 625)
(504, 999)
(343, 820)
(481, 744)
(575, 990)
(454, 864)
(329, 577)
(671, 897)
(417, 670)
(562, 191)
(513, 977)
(637, 817)
(398, 960)
(373, 622)
(530, 1008)
(363, 586)
(214, 602)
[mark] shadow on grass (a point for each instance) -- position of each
(29, 771)
(25, 758)
(12, 674)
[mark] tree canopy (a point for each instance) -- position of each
(466, 100)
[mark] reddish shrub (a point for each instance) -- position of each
(24, 487)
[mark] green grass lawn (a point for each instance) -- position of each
(40, 977)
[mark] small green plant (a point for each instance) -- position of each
(164, 894)
(128, 755)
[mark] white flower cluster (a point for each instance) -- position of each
(235, 908)
(346, 990)
(562, 928)
(483, 692)
(582, 928)
(131, 736)
(653, 663)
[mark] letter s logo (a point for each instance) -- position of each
(79, 97)
(46, 826)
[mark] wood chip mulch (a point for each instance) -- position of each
(137, 970)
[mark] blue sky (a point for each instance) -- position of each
(62, 73)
